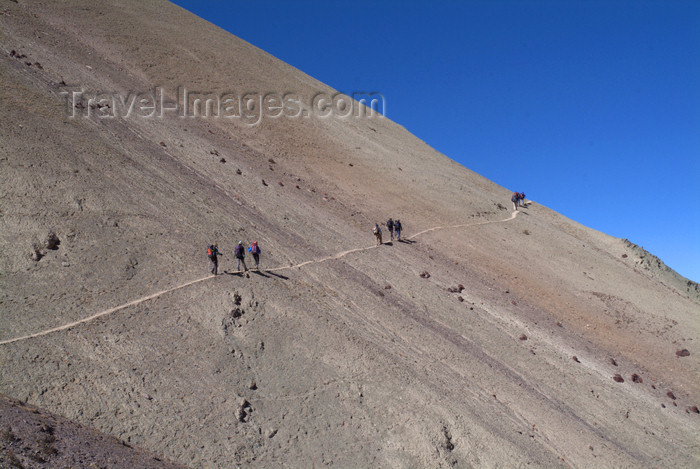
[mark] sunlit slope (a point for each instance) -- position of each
(342, 354)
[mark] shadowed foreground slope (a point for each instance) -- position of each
(358, 358)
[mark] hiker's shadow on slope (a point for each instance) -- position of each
(263, 274)
(406, 241)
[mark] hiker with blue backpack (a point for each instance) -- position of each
(213, 252)
(239, 252)
(254, 249)
(398, 228)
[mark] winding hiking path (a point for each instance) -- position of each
(184, 285)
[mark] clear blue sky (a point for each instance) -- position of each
(591, 108)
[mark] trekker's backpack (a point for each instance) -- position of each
(239, 251)
(211, 252)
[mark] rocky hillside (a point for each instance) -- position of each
(485, 338)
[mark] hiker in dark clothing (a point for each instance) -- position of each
(239, 252)
(521, 197)
(377, 233)
(213, 252)
(515, 199)
(397, 228)
(390, 227)
(254, 249)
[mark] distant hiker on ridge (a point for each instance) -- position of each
(397, 228)
(254, 249)
(212, 252)
(515, 199)
(390, 227)
(239, 252)
(521, 196)
(377, 233)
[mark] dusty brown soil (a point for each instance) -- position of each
(339, 353)
(31, 437)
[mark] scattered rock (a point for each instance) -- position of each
(162, 144)
(523, 337)
(663, 406)
(35, 253)
(618, 378)
(252, 385)
(624, 256)
(264, 183)
(387, 287)
(298, 187)
(425, 274)
(637, 379)
(237, 299)
(51, 241)
(271, 432)
(447, 440)
(693, 409)
(460, 298)
(214, 152)
(614, 363)
(559, 324)
(222, 160)
(575, 358)
(239, 172)
(671, 395)
(682, 353)
(280, 183)
(270, 160)
(526, 232)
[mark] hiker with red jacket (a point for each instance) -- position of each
(254, 249)
(239, 252)
(213, 252)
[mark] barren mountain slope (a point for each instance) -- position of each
(34, 438)
(340, 353)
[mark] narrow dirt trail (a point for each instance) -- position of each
(275, 269)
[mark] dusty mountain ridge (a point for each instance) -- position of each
(559, 348)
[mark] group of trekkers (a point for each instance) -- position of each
(518, 200)
(239, 254)
(392, 226)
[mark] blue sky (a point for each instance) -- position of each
(591, 108)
